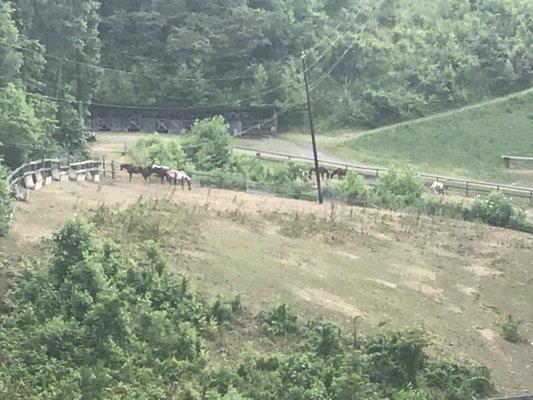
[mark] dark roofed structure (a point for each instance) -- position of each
(253, 120)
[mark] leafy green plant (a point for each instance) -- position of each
(402, 182)
(511, 329)
(157, 150)
(207, 146)
(495, 210)
(279, 321)
(355, 189)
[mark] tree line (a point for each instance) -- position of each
(371, 62)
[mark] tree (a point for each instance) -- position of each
(21, 132)
(208, 144)
(6, 207)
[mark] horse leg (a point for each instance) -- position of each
(189, 183)
(131, 175)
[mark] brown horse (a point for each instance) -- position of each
(340, 172)
(133, 170)
(322, 171)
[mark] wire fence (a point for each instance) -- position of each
(371, 175)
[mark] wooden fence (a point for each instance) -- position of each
(371, 175)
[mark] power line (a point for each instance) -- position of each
(101, 67)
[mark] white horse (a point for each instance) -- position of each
(437, 187)
(175, 175)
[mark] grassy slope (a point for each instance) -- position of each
(457, 279)
(465, 142)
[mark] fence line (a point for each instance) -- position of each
(373, 172)
(35, 174)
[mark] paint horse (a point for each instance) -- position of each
(134, 170)
(175, 175)
(161, 171)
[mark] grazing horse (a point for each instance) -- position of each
(437, 187)
(175, 175)
(160, 171)
(340, 172)
(322, 172)
(133, 169)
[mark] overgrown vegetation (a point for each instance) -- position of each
(94, 322)
(400, 188)
(6, 206)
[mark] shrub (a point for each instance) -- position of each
(496, 210)
(278, 321)
(159, 151)
(355, 189)
(395, 358)
(403, 182)
(511, 329)
(323, 338)
(208, 144)
(448, 380)
(6, 206)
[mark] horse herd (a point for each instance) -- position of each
(164, 173)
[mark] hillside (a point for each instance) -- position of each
(391, 270)
(466, 142)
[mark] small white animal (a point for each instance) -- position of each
(437, 187)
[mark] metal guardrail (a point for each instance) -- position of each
(507, 159)
(468, 186)
(46, 167)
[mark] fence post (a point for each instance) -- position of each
(113, 169)
(104, 167)
(466, 188)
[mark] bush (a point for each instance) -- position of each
(6, 206)
(355, 189)
(510, 329)
(278, 321)
(208, 144)
(159, 151)
(496, 210)
(402, 182)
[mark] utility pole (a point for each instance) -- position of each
(312, 128)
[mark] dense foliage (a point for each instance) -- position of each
(370, 62)
(99, 321)
(43, 48)
(388, 60)
(6, 207)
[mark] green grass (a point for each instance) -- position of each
(465, 142)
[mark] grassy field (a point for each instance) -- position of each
(466, 142)
(457, 279)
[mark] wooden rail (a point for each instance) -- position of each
(466, 186)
